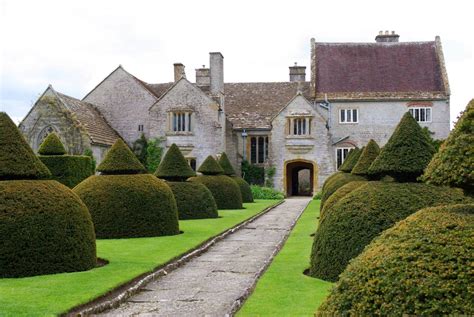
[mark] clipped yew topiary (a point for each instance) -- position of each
(69, 170)
(340, 179)
(421, 266)
(193, 199)
(338, 195)
(225, 191)
(406, 154)
(125, 203)
(45, 228)
(453, 165)
(351, 160)
(245, 189)
(364, 213)
(367, 156)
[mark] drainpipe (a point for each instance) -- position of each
(244, 138)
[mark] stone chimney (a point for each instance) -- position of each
(297, 73)
(178, 71)
(386, 37)
(216, 67)
(203, 77)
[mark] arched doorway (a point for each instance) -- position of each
(300, 177)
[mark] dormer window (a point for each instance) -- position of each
(299, 125)
(180, 121)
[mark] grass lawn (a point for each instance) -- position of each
(57, 293)
(284, 290)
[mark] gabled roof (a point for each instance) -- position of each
(253, 105)
(379, 70)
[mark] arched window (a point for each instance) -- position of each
(43, 134)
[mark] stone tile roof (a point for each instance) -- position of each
(158, 89)
(379, 70)
(91, 120)
(253, 105)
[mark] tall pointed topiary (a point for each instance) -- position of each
(174, 166)
(210, 167)
(120, 160)
(45, 228)
(194, 200)
(368, 155)
(453, 165)
(351, 160)
(245, 189)
(69, 170)
(17, 159)
(52, 145)
(126, 204)
(406, 154)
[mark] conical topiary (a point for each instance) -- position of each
(120, 160)
(226, 165)
(406, 154)
(174, 167)
(368, 155)
(210, 167)
(453, 165)
(52, 145)
(351, 160)
(17, 159)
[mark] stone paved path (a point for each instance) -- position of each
(209, 284)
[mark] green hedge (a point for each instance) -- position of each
(69, 170)
(351, 160)
(365, 212)
(259, 192)
(174, 166)
(328, 180)
(366, 158)
(245, 190)
(225, 191)
(336, 182)
(421, 266)
(226, 165)
(45, 229)
(52, 145)
(120, 160)
(338, 195)
(253, 174)
(210, 167)
(194, 200)
(129, 206)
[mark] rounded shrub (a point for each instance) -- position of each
(406, 154)
(194, 200)
(260, 192)
(338, 194)
(225, 191)
(52, 145)
(336, 182)
(210, 167)
(351, 160)
(421, 266)
(45, 228)
(328, 180)
(245, 189)
(453, 165)
(364, 213)
(128, 204)
(367, 156)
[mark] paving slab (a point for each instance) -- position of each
(210, 284)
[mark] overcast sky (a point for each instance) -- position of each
(73, 45)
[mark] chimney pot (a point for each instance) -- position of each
(387, 37)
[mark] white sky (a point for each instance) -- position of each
(73, 45)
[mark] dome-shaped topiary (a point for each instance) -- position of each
(52, 145)
(210, 167)
(226, 165)
(338, 195)
(351, 160)
(69, 170)
(336, 182)
(245, 189)
(367, 156)
(174, 166)
(17, 159)
(421, 266)
(45, 228)
(362, 214)
(194, 200)
(328, 179)
(453, 165)
(120, 160)
(225, 191)
(406, 154)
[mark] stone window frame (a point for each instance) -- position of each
(344, 154)
(299, 126)
(413, 111)
(260, 155)
(180, 126)
(346, 111)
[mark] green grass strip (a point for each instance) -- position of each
(284, 290)
(50, 295)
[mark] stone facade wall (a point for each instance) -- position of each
(124, 103)
(207, 129)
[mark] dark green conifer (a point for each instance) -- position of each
(351, 160)
(368, 155)
(210, 167)
(52, 145)
(120, 160)
(226, 165)
(174, 166)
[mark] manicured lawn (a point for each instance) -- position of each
(57, 293)
(284, 290)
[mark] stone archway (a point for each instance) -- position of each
(43, 134)
(300, 177)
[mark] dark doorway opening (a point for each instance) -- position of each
(299, 178)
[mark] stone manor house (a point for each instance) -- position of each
(355, 92)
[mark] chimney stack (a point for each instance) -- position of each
(297, 73)
(386, 37)
(179, 71)
(203, 78)
(216, 68)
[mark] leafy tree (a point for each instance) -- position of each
(154, 154)
(139, 148)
